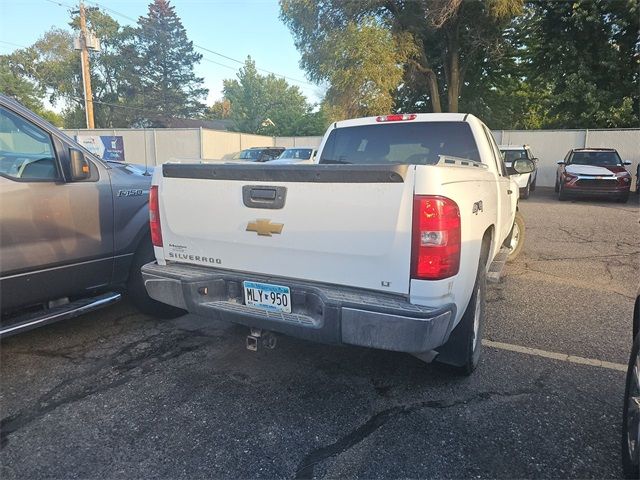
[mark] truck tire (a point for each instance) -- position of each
(630, 462)
(525, 192)
(557, 186)
(516, 238)
(462, 350)
(533, 184)
(138, 294)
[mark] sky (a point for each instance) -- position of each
(231, 28)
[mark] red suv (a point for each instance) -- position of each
(593, 171)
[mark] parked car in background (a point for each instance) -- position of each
(298, 155)
(593, 171)
(527, 181)
(631, 412)
(260, 154)
(74, 229)
(386, 243)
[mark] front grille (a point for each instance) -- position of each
(596, 183)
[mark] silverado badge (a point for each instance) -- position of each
(264, 227)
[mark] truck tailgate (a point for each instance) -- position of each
(340, 224)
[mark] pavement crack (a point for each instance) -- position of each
(586, 258)
(305, 469)
(134, 359)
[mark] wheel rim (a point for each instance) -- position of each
(515, 238)
(633, 414)
(476, 320)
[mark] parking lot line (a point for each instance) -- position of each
(556, 356)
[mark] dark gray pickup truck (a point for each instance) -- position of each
(74, 229)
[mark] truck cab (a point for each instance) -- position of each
(72, 225)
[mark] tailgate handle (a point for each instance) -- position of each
(261, 196)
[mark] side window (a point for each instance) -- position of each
(497, 155)
(26, 151)
(567, 158)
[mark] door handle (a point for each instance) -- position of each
(258, 196)
(509, 192)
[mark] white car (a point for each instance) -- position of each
(526, 182)
(385, 243)
(299, 155)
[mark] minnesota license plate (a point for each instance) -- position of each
(270, 297)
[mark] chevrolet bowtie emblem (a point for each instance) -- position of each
(264, 227)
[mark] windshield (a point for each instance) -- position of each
(595, 158)
(297, 153)
(250, 154)
(512, 155)
(416, 143)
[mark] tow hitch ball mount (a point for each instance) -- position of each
(258, 337)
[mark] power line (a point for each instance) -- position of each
(151, 113)
(200, 47)
(14, 44)
(226, 57)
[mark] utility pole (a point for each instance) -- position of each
(86, 71)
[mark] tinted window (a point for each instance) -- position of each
(511, 155)
(270, 154)
(297, 153)
(595, 158)
(250, 154)
(26, 151)
(416, 143)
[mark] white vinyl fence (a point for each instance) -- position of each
(157, 146)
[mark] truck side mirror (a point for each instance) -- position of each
(523, 165)
(627, 162)
(80, 169)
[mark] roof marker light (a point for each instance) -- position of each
(396, 117)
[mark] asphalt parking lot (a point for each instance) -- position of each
(116, 394)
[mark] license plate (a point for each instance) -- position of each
(270, 297)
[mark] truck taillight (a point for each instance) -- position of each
(154, 217)
(435, 252)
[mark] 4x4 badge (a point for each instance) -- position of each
(264, 227)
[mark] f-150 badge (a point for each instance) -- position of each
(264, 227)
(133, 192)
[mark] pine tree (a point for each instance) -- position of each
(169, 86)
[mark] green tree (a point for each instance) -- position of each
(221, 109)
(587, 56)
(25, 91)
(167, 83)
(446, 38)
(268, 105)
(53, 67)
(362, 64)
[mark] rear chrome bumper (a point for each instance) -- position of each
(320, 312)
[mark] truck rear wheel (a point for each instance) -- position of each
(138, 294)
(516, 238)
(462, 350)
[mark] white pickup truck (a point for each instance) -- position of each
(384, 243)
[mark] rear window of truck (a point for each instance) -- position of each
(414, 143)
